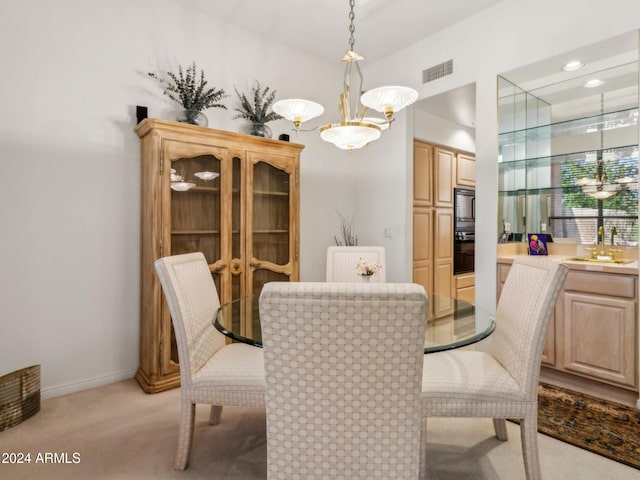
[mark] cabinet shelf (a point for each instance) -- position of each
(195, 232)
(595, 123)
(267, 231)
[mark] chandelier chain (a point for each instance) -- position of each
(352, 27)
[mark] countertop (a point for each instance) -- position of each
(630, 268)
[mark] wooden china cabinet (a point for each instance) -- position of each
(233, 197)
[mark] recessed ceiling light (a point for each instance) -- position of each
(573, 66)
(595, 82)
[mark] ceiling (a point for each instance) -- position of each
(321, 27)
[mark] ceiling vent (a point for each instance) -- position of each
(437, 71)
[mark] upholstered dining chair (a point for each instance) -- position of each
(211, 372)
(502, 382)
(341, 263)
(343, 367)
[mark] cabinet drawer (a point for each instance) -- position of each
(601, 284)
(464, 281)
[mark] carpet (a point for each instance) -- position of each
(606, 428)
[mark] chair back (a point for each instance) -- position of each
(343, 369)
(526, 304)
(341, 263)
(193, 302)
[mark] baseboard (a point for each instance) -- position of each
(58, 391)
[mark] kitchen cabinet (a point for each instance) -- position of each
(592, 339)
(465, 287)
(233, 197)
(465, 171)
(434, 178)
(599, 327)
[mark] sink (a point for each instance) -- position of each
(599, 260)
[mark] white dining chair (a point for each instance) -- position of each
(211, 372)
(341, 263)
(501, 383)
(343, 366)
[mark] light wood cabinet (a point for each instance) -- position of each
(593, 333)
(238, 205)
(599, 327)
(444, 167)
(466, 287)
(434, 177)
(465, 171)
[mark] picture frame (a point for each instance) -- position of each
(537, 244)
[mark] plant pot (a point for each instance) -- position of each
(257, 130)
(192, 117)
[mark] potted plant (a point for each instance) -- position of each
(256, 111)
(192, 93)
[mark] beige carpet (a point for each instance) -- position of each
(120, 432)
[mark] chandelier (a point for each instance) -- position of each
(355, 129)
(597, 186)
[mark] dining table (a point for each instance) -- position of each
(451, 322)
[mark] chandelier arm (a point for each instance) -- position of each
(361, 110)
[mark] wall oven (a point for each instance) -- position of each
(464, 230)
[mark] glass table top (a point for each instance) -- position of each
(451, 322)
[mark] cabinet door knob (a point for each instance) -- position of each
(221, 267)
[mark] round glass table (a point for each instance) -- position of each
(451, 322)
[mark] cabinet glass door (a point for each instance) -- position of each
(196, 217)
(272, 209)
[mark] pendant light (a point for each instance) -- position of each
(355, 129)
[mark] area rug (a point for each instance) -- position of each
(606, 428)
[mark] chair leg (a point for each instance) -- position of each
(214, 417)
(423, 449)
(529, 436)
(185, 435)
(500, 427)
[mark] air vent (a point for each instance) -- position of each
(437, 71)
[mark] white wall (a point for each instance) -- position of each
(434, 129)
(70, 178)
(509, 35)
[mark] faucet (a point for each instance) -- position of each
(614, 232)
(601, 239)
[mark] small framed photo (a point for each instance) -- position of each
(537, 244)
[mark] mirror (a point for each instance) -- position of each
(568, 145)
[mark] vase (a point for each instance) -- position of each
(192, 117)
(365, 278)
(257, 130)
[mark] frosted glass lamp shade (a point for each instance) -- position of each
(350, 135)
(389, 99)
(297, 110)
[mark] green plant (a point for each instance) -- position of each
(189, 91)
(256, 112)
